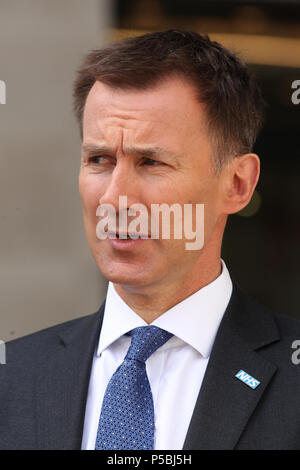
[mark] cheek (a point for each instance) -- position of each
(90, 196)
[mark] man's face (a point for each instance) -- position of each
(151, 146)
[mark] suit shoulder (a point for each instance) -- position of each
(258, 323)
(288, 325)
(42, 339)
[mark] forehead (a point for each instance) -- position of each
(169, 110)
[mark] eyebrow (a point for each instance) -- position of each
(151, 151)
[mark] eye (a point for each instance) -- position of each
(97, 159)
(150, 162)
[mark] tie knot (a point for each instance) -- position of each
(145, 341)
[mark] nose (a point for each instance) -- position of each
(122, 181)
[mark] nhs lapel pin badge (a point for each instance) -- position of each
(247, 379)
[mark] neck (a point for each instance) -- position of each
(152, 301)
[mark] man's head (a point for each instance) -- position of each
(160, 115)
(222, 83)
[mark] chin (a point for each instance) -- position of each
(126, 276)
(128, 270)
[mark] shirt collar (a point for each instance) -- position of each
(195, 320)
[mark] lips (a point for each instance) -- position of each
(129, 236)
(127, 244)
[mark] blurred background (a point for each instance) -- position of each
(47, 274)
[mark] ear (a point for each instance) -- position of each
(240, 179)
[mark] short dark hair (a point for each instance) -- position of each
(231, 96)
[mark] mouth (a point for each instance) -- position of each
(127, 236)
(126, 242)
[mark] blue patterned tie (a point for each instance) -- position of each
(127, 415)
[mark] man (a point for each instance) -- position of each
(177, 357)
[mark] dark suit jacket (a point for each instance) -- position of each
(44, 383)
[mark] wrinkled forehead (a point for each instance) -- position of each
(168, 113)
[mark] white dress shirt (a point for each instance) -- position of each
(175, 370)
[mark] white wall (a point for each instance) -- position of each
(47, 274)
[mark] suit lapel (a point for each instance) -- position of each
(62, 384)
(225, 403)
